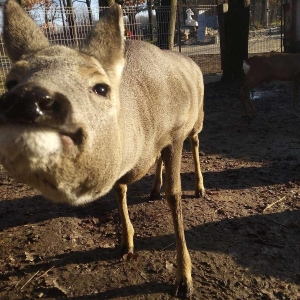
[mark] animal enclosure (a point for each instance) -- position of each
(142, 23)
(244, 238)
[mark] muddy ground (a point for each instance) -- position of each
(244, 239)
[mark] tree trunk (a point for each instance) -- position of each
(172, 24)
(150, 30)
(236, 31)
(88, 4)
(46, 23)
(104, 3)
(163, 17)
(63, 19)
(71, 21)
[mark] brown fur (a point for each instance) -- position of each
(270, 67)
(75, 144)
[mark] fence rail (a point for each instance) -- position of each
(196, 30)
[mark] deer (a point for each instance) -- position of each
(269, 67)
(78, 123)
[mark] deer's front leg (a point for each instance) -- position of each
(127, 228)
(246, 100)
(155, 192)
(172, 160)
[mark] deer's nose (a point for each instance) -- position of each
(32, 104)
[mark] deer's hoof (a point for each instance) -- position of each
(154, 195)
(249, 115)
(184, 290)
(126, 251)
(200, 193)
(295, 114)
(129, 256)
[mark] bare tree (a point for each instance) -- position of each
(88, 4)
(69, 10)
(172, 24)
(49, 8)
(104, 3)
(166, 23)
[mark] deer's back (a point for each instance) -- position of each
(161, 95)
(274, 66)
(163, 85)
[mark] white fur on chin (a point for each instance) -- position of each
(26, 151)
(28, 147)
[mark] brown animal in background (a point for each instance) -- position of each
(75, 124)
(269, 67)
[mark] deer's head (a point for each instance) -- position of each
(59, 117)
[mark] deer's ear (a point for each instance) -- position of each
(106, 41)
(21, 35)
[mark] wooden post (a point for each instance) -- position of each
(234, 38)
(163, 17)
(222, 10)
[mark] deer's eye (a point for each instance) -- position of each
(10, 84)
(101, 89)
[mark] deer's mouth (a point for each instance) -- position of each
(67, 137)
(70, 138)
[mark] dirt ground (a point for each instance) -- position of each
(244, 239)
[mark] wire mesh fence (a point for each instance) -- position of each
(199, 29)
(266, 29)
(196, 31)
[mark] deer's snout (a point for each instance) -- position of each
(34, 104)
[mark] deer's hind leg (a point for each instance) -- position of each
(199, 186)
(295, 87)
(171, 156)
(157, 184)
(127, 245)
